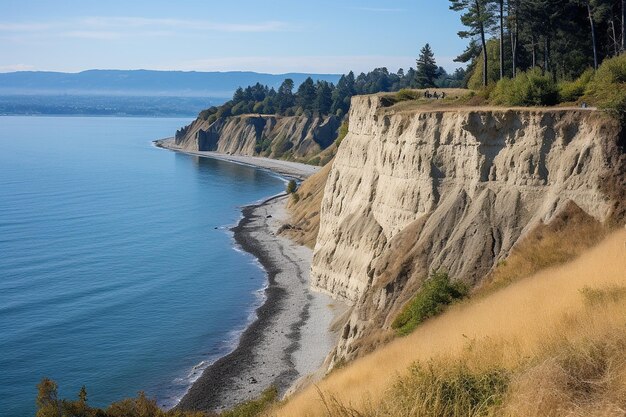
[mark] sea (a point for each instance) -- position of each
(118, 269)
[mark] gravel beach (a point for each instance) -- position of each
(291, 335)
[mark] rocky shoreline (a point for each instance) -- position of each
(291, 335)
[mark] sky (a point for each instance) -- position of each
(277, 36)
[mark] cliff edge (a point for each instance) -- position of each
(454, 190)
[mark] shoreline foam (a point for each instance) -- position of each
(286, 169)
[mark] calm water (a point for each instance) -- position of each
(112, 274)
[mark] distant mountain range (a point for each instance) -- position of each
(143, 82)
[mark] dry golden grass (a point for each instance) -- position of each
(565, 354)
(567, 236)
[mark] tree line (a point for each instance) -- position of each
(326, 98)
(560, 37)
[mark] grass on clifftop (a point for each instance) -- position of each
(604, 88)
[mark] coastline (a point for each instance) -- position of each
(288, 169)
(291, 335)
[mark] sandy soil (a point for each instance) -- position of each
(286, 168)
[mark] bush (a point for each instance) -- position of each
(314, 161)
(291, 187)
(447, 390)
(405, 95)
(436, 293)
(343, 132)
(253, 407)
(573, 90)
(530, 88)
(607, 89)
(212, 118)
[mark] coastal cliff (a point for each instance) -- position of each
(416, 190)
(282, 137)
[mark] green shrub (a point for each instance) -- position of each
(447, 390)
(436, 293)
(406, 94)
(254, 407)
(292, 186)
(573, 90)
(212, 118)
(607, 89)
(343, 132)
(531, 88)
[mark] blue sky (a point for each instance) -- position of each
(277, 36)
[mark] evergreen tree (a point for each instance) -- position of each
(478, 17)
(307, 94)
(239, 95)
(47, 402)
(426, 72)
(285, 97)
(343, 93)
(324, 100)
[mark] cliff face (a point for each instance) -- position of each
(271, 136)
(415, 191)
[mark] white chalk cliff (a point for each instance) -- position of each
(413, 190)
(267, 135)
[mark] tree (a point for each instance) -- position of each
(307, 94)
(501, 14)
(427, 69)
(513, 18)
(291, 187)
(593, 35)
(478, 17)
(47, 402)
(285, 97)
(343, 93)
(239, 95)
(623, 26)
(324, 100)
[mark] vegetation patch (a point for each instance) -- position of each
(530, 88)
(607, 88)
(443, 390)
(292, 186)
(432, 298)
(570, 91)
(343, 132)
(602, 296)
(254, 407)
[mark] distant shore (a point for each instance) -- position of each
(292, 333)
(286, 168)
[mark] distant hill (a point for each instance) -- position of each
(143, 82)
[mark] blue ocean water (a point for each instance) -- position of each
(112, 274)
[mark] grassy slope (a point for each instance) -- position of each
(565, 356)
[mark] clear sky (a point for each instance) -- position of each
(277, 36)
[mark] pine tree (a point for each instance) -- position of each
(47, 402)
(284, 97)
(479, 18)
(426, 68)
(324, 100)
(307, 94)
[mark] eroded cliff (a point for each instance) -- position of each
(296, 137)
(451, 189)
